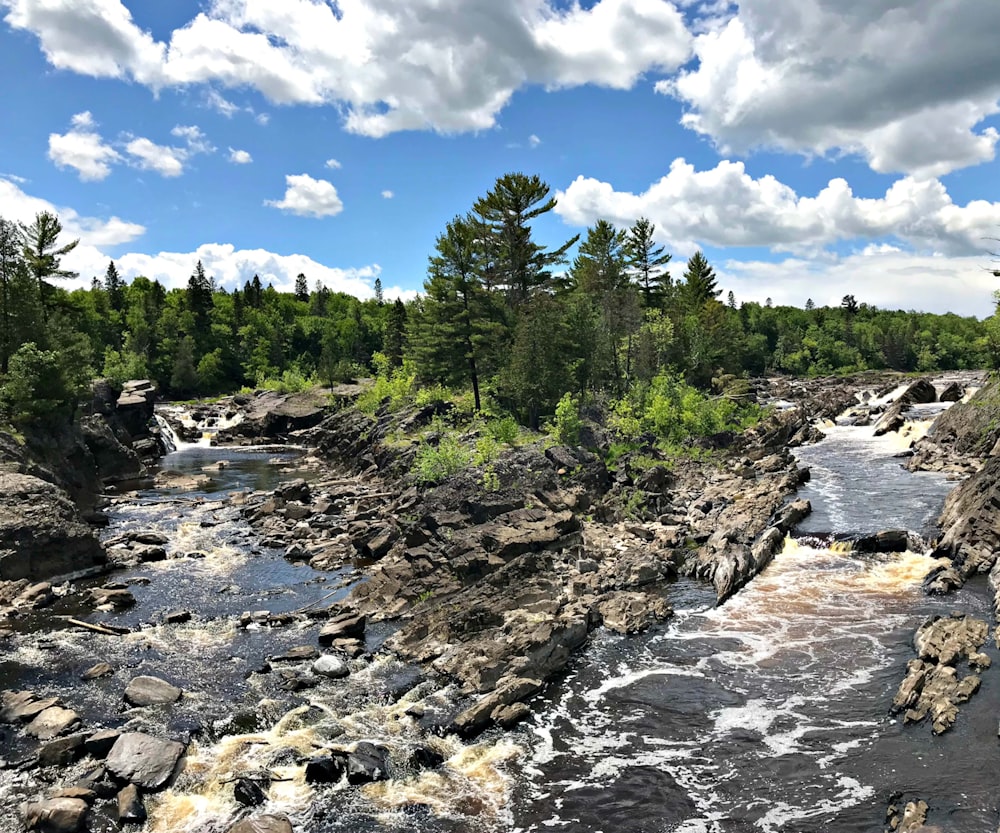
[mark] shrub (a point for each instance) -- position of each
(505, 430)
(566, 425)
(394, 384)
(436, 463)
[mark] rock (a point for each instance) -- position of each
(345, 626)
(327, 769)
(61, 751)
(331, 666)
(952, 393)
(101, 669)
(99, 744)
(920, 392)
(249, 793)
(130, 807)
(630, 613)
(24, 706)
(56, 815)
(144, 760)
(149, 553)
(41, 533)
(36, 596)
(177, 617)
(509, 716)
(262, 824)
(151, 691)
(115, 598)
(479, 715)
(52, 722)
(367, 763)
(295, 490)
(297, 654)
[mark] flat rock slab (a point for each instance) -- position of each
(101, 669)
(143, 760)
(52, 722)
(262, 824)
(297, 654)
(57, 815)
(151, 691)
(24, 706)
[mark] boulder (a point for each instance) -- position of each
(144, 760)
(479, 715)
(249, 793)
(101, 669)
(99, 744)
(367, 763)
(56, 815)
(331, 666)
(262, 824)
(24, 706)
(630, 613)
(920, 392)
(130, 807)
(952, 393)
(41, 533)
(326, 769)
(151, 691)
(52, 722)
(61, 751)
(345, 626)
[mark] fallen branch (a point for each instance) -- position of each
(97, 628)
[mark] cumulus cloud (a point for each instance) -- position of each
(221, 104)
(886, 279)
(333, 163)
(149, 156)
(240, 157)
(447, 65)
(387, 194)
(725, 206)
(907, 86)
(308, 197)
(83, 149)
(534, 141)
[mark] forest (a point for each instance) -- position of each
(512, 325)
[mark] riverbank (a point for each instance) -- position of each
(458, 603)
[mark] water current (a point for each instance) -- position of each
(769, 713)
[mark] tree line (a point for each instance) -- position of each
(502, 316)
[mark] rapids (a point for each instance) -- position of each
(769, 713)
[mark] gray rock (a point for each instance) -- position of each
(61, 751)
(151, 691)
(144, 760)
(56, 815)
(102, 669)
(52, 722)
(262, 824)
(331, 666)
(99, 744)
(130, 807)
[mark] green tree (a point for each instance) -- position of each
(647, 264)
(513, 260)
(699, 282)
(42, 252)
(301, 288)
(10, 263)
(184, 378)
(115, 287)
(394, 338)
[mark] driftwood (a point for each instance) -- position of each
(107, 631)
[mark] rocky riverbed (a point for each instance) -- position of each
(338, 641)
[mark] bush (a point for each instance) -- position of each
(291, 381)
(436, 463)
(566, 425)
(504, 430)
(395, 384)
(35, 386)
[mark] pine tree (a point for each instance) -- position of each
(731, 300)
(10, 261)
(394, 337)
(199, 302)
(646, 262)
(809, 304)
(115, 287)
(513, 260)
(699, 282)
(42, 252)
(301, 288)
(379, 297)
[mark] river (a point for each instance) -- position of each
(769, 713)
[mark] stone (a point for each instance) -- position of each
(56, 815)
(52, 722)
(631, 613)
(114, 598)
(367, 763)
(479, 715)
(177, 617)
(131, 810)
(297, 654)
(61, 751)
(326, 769)
(101, 669)
(24, 706)
(144, 760)
(99, 744)
(262, 824)
(331, 666)
(149, 554)
(151, 691)
(248, 793)
(345, 626)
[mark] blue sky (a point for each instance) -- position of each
(811, 149)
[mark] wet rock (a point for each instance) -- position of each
(144, 760)
(952, 393)
(478, 716)
(116, 598)
(345, 626)
(41, 533)
(61, 751)
(52, 722)
(56, 815)
(297, 654)
(101, 669)
(920, 392)
(630, 613)
(36, 596)
(149, 553)
(424, 757)
(24, 706)
(131, 810)
(331, 666)
(151, 691)
(99, 744)
(83, 793)
(262, 824)
(327, 769)
(509, 716)
(367, 763)
(248, 793)
(295, 490)
(177, 617)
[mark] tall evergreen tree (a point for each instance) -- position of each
(514, 260)
(10, 261)
(115, 287)
(647, 264)
(199, 302)
(379, 297)
(699, 283)
(42, 252)
(301, 288)
(394, 338)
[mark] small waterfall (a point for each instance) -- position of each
(170, 439)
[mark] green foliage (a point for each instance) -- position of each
(395, 385)
(504, 430)
(490, 481)
(35, 387)
(435, 463)
(122, 365)
(566, 425)
(290, 381)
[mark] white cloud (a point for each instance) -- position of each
(149, 156)
(725, 206)
(534, 141)
(905, 85)
(333, 163)
(387, 194)
(221, 104)
(888, 280)
(308, 197)
(447, 65)
(92, 231)
(83, 149)
(240, 157)
(197, 142)
(262, 119)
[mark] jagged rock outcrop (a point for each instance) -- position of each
(41, 534)
(919, 393)
(963, 436)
